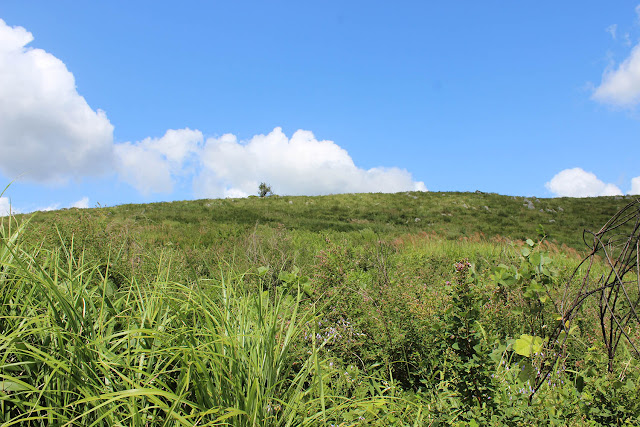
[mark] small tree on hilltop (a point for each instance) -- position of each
(264, 190)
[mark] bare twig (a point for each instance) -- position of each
(618, 243)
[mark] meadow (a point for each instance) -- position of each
(404, 309)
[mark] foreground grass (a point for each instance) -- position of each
(79, 350)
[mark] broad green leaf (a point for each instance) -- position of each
(536, 287)
(527, 344)
(496, 354)
(535, 258)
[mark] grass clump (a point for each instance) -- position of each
(79, 349)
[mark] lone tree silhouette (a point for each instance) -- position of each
(264, 190)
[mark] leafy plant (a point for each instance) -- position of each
(528, 288)
(470, 364)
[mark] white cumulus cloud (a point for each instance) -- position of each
(5, 206)
(611, 29)
(577, 182)
(635, 185)
(51, 207)
(48, 132)
(621, 86)
(293, 166)
(81, 204)
(152, 165)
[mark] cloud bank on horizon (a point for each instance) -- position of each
(577, 182)
(49, 134)
(226, 167)
(6, 208)
(299, 165)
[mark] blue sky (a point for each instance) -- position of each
(105, 103)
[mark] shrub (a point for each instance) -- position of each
(264, 190)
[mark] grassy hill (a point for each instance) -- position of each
(399, 309)
(448, 215)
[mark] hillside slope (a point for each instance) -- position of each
(206, 222)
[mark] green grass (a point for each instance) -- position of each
(203, 223)
(79, 350)
(290, 311)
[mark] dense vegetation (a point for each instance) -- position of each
(360, 309)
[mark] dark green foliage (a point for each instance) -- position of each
(609, 399)
(533, 285)
(470, 367)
